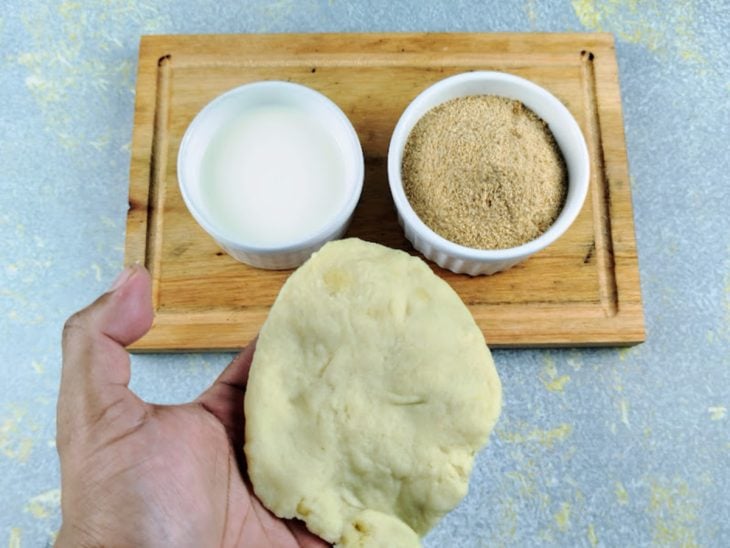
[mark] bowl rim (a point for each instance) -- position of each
(577, 189)
(354, 150)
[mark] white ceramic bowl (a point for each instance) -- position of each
(237, 102)
(466, 260)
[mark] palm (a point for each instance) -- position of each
(149, 475)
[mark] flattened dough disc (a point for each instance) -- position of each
(370, 392)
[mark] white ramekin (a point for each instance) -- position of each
(250, 96)
(466, 260)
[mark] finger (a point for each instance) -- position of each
(224, 398)
(235, 374)
(303, 536)
(95, 363)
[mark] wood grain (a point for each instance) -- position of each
(582, 290)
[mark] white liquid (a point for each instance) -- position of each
(272, 176)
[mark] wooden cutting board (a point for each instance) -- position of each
(582, 290)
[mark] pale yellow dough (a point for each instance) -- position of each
(371, 390)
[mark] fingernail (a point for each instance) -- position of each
(124, 275)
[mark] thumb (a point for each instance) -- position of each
(96, 369)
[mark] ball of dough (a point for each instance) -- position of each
(370, 392)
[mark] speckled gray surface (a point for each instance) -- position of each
(595, 447)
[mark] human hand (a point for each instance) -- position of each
(138, 474)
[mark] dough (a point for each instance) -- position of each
(370, 392)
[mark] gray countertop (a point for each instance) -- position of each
(609, 447)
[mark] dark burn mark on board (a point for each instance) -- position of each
(589, 255)
(589, 55)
